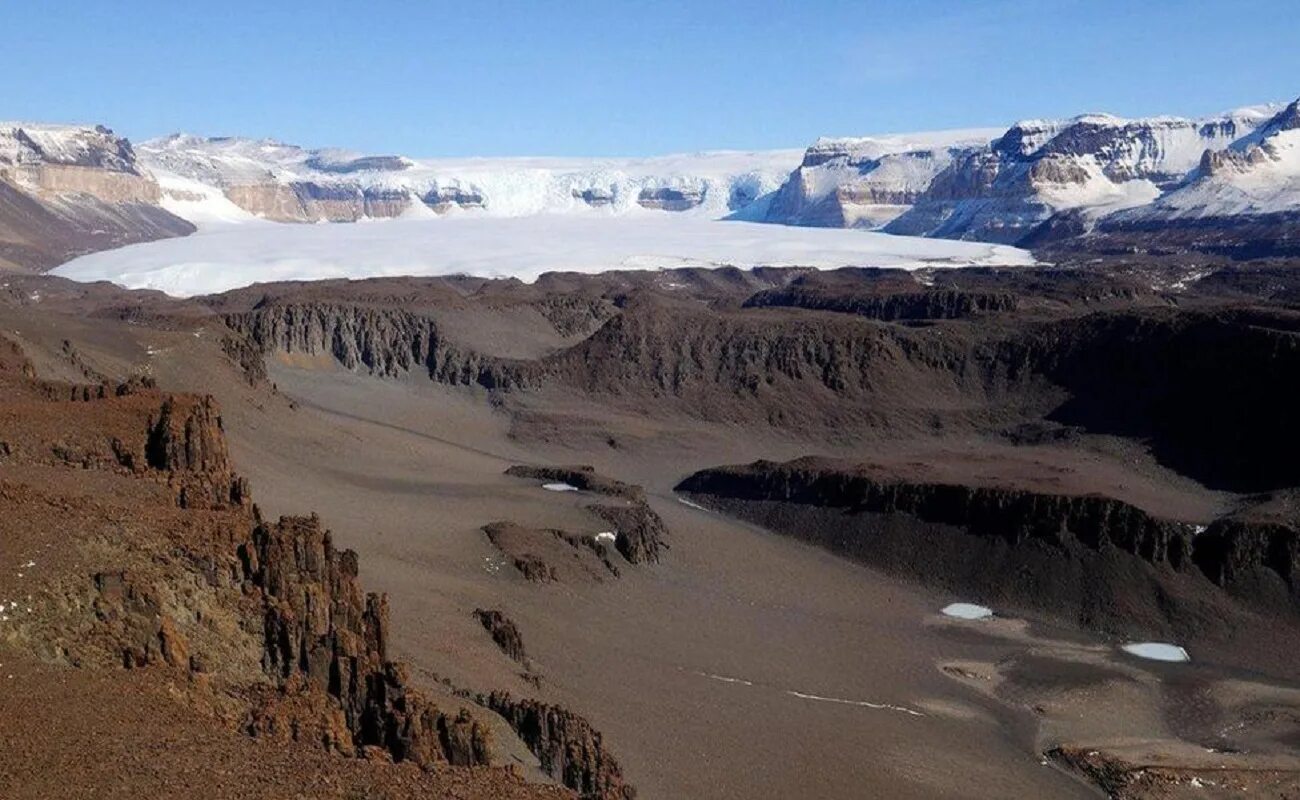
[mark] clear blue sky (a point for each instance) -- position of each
(621, 77)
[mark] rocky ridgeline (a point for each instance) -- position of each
(889, 307)
(186, 442)
(383, 341)
(322, 630)
(1100, 560)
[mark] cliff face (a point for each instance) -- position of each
(1005, 191)
(322, 630)
(918, 305)
(163, 566)
(567, 746)
(65, 191)
(383, 341)
(1092, 559)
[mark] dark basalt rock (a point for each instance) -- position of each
(919, 305)
(581, 476)
(503, 631)
(442, 198)
(1093, 559)
(569, 749)
(322, 630)
(639, 533)
(383, 341)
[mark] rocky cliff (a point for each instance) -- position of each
(567, 746)
(382, 341)
(67, 190)
(1092, 559)
(849, 183)
(163, 567)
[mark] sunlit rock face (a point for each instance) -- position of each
(67, 190)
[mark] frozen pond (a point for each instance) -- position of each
(967, 611)
(1156, 651)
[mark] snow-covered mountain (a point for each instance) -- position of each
(1094, 164)
(1044, 180)
(868, 181)
(1242, 200)
(206, 179)
(67, 190)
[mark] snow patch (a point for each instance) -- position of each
(559, 487)
(1157, 651)
(967, 611)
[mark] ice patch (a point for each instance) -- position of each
(606, 536)
(559, 487)
(689, 504)
(725, 678)
(1156, 651)
(967, 611)
(861, 703)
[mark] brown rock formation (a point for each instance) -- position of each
(582, 477)
(568, 747)
(504, 632)
(546, 555)
(1096, 560)
(639, 533)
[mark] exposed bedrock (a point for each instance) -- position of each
(383, 341)
(1096, 560)
(1211, 392)
(67, 190)
(322, 629)
(639, 533)
(670, 199)
(504, 633)
(569, 749)
(580, 476)
(1206, 387)
(918, 305)
(550, 555)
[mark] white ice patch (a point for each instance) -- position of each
(967, 611)
(860, 703)
(726, 678)
(606, 537)
(559, 487)
(689, 504)
(1157, 651)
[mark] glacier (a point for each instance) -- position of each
(228, 255)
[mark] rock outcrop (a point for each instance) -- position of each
(164, 567)
(568, 747)
(504, 633)
(850, 183)
(582, 476)
(550, 555)
(383, 341)
(639, 533)
(1093, 559)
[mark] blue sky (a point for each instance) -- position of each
(609, 78)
